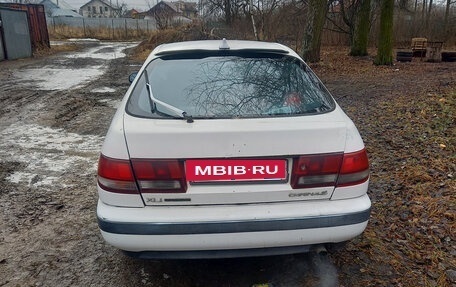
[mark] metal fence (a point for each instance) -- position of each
(100, 28)
(110, 23)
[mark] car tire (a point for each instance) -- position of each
(449, 56)
(404, 56)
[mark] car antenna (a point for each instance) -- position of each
(224, 45)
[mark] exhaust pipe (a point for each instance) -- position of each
(320, 250)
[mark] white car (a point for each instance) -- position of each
(230, 149)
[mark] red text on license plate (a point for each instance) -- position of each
(237, 169)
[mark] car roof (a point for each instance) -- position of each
(217, 45)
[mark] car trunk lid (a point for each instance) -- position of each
(230, 161)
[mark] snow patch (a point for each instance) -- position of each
(61, 79)
(112, 103)
(103, 90)
(58, 77)
(48, 153)
(105, 51)
(84, 40)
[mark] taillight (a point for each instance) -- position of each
(160, 176)
(316, 170)
(335, 169)
(116, 175)
(355, 169)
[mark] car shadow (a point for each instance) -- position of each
(310, 269)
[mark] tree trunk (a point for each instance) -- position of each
(385, 43)
(361, 32)
(445, 22)
(423, 11)
(228, 16)
(316, 12)
(428, 15)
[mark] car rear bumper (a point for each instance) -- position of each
(228, 231)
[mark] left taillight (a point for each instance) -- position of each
(336, 169)
(354, 169)
(116, 175)
(160, 176)
(316, 170)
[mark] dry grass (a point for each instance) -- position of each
(60, 32)
(45, 51)
(179, 34)
(406, 114)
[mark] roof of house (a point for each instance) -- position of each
(59, 9)
(178, 6)
(57, 4)
(131, 12)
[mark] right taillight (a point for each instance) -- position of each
(336, 169)
(116, 175)
(354, 169)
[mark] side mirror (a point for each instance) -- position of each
(132, 77)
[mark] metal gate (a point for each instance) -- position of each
(2, 52)
(16, 35)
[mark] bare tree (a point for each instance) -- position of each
(385, 42)
(360, 36)
(264, 11)
(227, 9)
(164, 18)
(428, 15)
(316, 16)
(447, 18)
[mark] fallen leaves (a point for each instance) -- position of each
(407, 120)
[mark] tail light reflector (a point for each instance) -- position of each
(335, 169)
(116, 175)
(316, 170)
(160, 176)
(355, 169)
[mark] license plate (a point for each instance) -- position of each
(236, 170)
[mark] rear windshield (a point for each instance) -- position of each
(228, 87)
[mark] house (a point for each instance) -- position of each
(187, 9)
(59, 8)
(178, 10)
(99, 9)
(132, 13)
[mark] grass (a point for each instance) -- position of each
(45, 51)
(60, 32)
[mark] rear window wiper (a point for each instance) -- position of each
(175, 111)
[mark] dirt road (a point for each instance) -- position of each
(54, 114)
